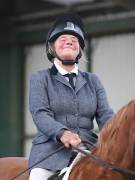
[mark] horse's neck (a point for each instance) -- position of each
(113, 153)
(117, 140)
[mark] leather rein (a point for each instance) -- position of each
(93, 157)
(104, 163)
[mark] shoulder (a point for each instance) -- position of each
(40, 75)
(93, 78)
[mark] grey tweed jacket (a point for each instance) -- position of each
(54, 106)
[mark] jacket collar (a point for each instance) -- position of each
(53, 70)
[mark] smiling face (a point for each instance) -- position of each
(67, 47)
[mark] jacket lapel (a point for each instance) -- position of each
(62, 79)
(80, 81)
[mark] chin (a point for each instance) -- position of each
(70, 57)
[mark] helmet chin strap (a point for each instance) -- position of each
(68, 62)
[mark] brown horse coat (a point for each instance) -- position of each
(11, 166)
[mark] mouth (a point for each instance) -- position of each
(68, 47)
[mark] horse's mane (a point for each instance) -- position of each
(122, 119)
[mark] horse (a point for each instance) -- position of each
(12, 166)
(115, 147)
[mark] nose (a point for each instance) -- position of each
(69, 42)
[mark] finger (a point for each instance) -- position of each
(75, 143)
(66, 144)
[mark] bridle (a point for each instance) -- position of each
(97, 159)
(103, 163)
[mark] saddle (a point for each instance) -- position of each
(56, 176)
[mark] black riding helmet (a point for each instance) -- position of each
(68, 23)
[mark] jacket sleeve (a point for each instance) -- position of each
(42, 115)
(104, 112)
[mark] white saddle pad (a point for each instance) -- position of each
(68, 169)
